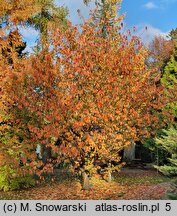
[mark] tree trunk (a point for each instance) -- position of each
(85, 180)
(47, 155)
(129, 152)
(109, 176)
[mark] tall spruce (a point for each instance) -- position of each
(48, 16)
(169, 142)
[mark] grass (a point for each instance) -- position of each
(171, 196)
(129, 185)
(58, 178)
(128, 180)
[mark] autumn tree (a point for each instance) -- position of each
(40, 14)
(160, 51)
(11, 46)
(12, 13)
(16, 11)
(11, 140)
(92, 92)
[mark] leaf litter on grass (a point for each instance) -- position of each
(126, 186)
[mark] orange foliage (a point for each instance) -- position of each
(18, 10)
(10, 77)
(93, 93)
(160, 51)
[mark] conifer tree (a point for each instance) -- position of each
(169, 80)
(107, 14)
(169, 142)
(48, 16)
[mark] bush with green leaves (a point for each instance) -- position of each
(10, 180)
(158, 154)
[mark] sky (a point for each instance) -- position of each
(159, 16)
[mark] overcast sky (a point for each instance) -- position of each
(160, 16)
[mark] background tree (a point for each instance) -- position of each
(160, 50)
(106, 13)
(40, 14)
(169, 80)
(12, 176)
(12, 39)
(173, 34)
(161, 144)
(17, 11)
(48, 16)
(169, 143)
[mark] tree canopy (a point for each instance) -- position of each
(84, 99)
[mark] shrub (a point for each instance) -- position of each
(10, 180)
